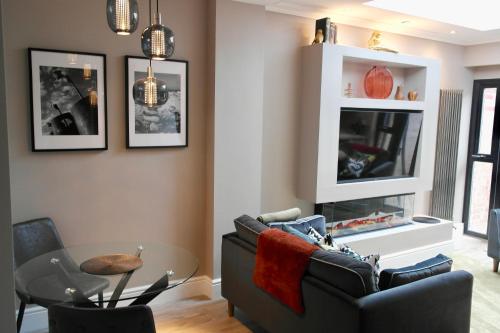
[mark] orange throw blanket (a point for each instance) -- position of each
(280, 264)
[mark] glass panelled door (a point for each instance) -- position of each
(482, 166)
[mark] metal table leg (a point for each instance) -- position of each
(122, 284)
(100, 297)
(20, 316)
(72, 290)
(154, 290)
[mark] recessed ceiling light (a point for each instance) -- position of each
(478, 14)
(453, 32)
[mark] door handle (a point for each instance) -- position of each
(480, 156)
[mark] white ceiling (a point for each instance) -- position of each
(353, 12)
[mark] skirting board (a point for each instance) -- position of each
(35, 317)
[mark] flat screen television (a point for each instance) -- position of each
(377, 144)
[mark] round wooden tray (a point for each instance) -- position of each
(111, 264)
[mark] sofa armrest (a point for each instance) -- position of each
(494, 234)
(440, 303)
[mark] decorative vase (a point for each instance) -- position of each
(412, 95)
(333, 33)
(348, 90)
(378, 82)
(399, 93)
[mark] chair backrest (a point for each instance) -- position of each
(69, 319)
(34, 238)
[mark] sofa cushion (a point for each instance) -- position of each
(390, 278)
(280, 216)
(371, 259)
(295, 232)
(350, 275)
(317, 222)
(248, 229)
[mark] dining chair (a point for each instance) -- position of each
(37, 237)
(65, 318)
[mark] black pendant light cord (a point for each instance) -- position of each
(149, 12)
(157, 7)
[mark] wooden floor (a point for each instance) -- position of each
(202, 315)
(471, 255)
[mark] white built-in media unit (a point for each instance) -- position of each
(326, 73)
(330, 121)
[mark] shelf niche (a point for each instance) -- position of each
(408, 77)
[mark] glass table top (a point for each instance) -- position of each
(56, 276)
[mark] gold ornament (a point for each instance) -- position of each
(318, 39)
(375, 43)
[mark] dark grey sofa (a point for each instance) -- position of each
(336, 296)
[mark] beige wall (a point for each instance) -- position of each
(238, 100)
(482, 55)
(285, 34)
(118, 194)
(7, 308)
(487, 72)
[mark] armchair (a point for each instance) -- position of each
(494, 238)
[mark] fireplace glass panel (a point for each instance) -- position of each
(364, 215)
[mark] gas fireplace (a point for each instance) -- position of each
(364, 215)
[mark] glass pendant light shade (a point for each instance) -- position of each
(123, 16)
(157, 41)
(150, 91)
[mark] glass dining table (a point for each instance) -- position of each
(60, 277)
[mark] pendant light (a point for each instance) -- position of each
(150, 91)
(157, 40)
(123, 16)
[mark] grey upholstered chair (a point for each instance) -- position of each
(34, 238)
(494, 237)
(131, 319)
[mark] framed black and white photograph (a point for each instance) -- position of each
(161, 125)
(68, 100)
